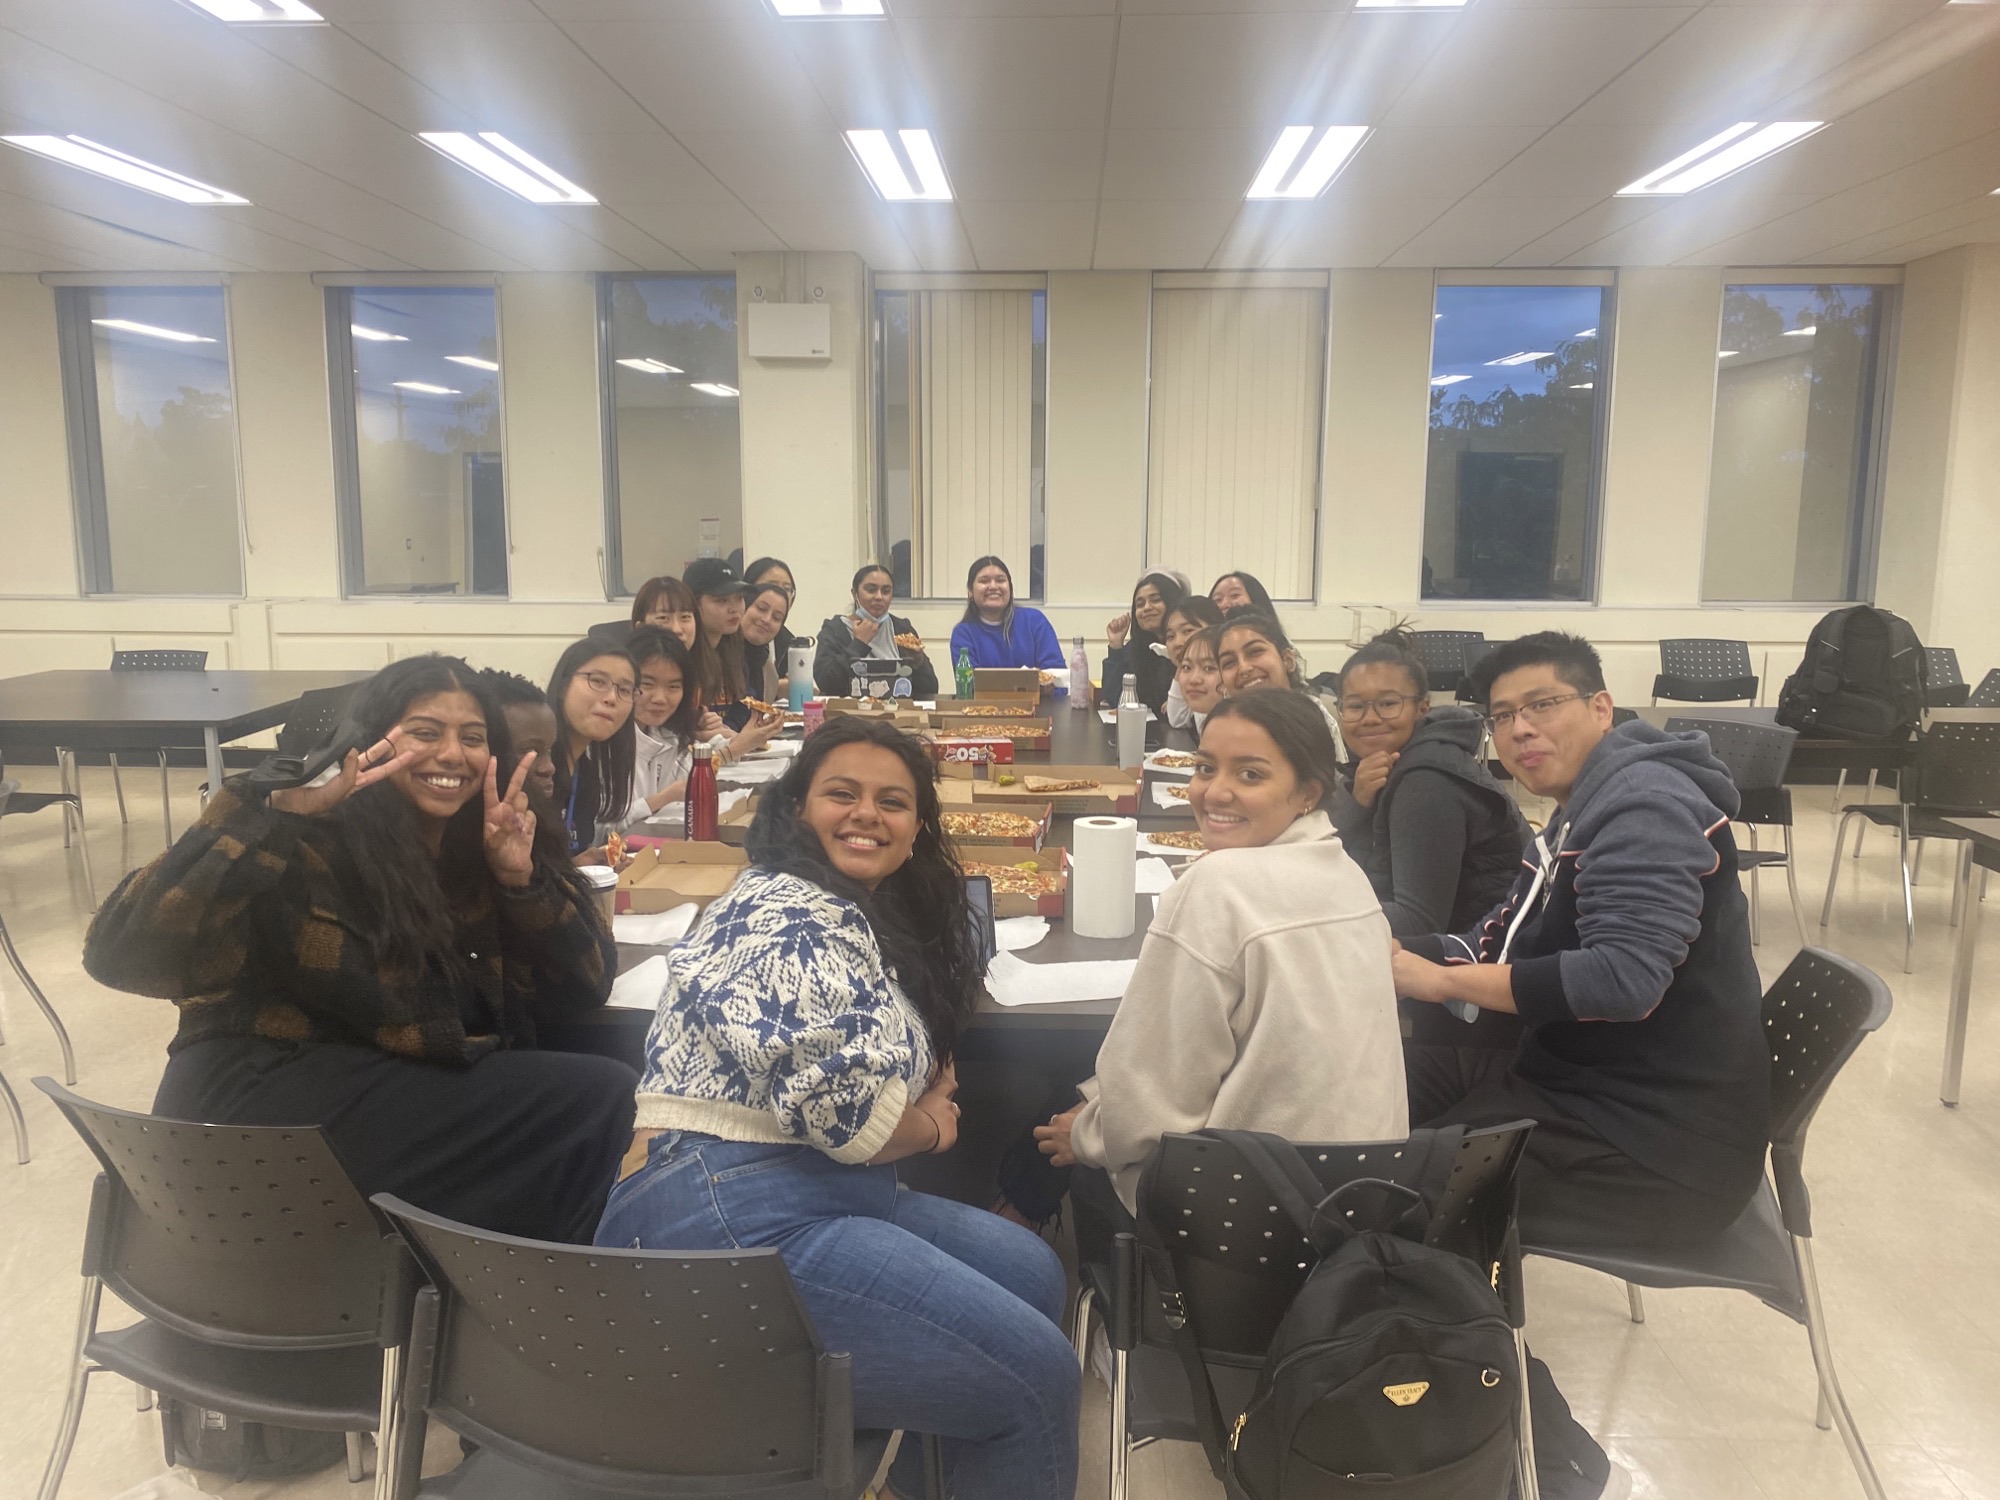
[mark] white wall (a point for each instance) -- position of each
(807, 483)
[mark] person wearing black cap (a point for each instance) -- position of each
(720, 595)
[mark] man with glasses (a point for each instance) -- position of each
(1624, 948)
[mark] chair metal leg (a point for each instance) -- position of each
(1961, 984)
(35, 992)
(1866, 797)
(1833, 870)
(1756, 930)
(1079, 1329)
(1917, 862)
(1822, 1413)
(20, 1124)
(75, 810)
(86, 1320)
(1525, 1480)
(62, 772)
(1121, 1453)
(388, 1429)
(1792, 885)
(144, 1396)
(1909, 901)
(1829, 1381)
(118, 786)
(1958, 884)
(1635, 1301)
(166, 802)
(1839, 786)
(357, 1459)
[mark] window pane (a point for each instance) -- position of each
(1790, 468)
(1510, 496)
(428, 514)
(963, 382)
(677, 453)
(166, 518)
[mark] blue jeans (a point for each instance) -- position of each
(952, 1314)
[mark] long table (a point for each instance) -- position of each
(1981, 853)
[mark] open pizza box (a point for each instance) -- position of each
(902, 715)
(667, 875)
(985, 843)
(733, 827)
(1042, 863)
(1007, 687)
(1021, 734)
(1110, 790)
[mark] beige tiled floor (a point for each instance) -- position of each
(1711, 1399)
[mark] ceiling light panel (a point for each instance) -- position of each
(825, 9)
(713, 388)
(916, 175)
(260, 12)
(506, 165)
(425, 388)
(1411, 4)
(473, 360)
(75, 151)
(377, 336)
(652, 367)
(1719, 156)
(172, 335)
(1336, 147)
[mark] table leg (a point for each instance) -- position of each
(212, 743)
(1961, 985)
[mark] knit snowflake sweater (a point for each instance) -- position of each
(779, 1023)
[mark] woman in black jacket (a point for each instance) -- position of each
(1131, 638)
(868, 632)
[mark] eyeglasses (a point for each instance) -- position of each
(1538, 712)
(598, 683)
(1386, 707)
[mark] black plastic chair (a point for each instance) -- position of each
(265, 1286)
(1443, 653)
(1757, 756)
(1987, 694)
(1955, 774)
(16, 803)
(584, 1374)
(151, 661)
(1815, 1015)
(1474, 652)
(1703, 670)
(314, 717)
(1944, 684)
(1235, 1280)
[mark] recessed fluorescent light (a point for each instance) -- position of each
(713, 388)
(126, 325)
(1588, 385)
(886, 170)
(792, 8)
(1411, 4)
(424, 388)
(1335, 148)
(1448, 379)
(1800, 333)
(474, 360)
(652, 366)
(1525, 357)
(377, 336)
(506, 165)
(1728, 354)
(75, 151)
(1718, 156)
(1588, 333)
(260, 12)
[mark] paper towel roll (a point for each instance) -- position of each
(1103, 859)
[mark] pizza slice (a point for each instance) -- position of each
(1019, 880)
(1173, 760)
(989, 825)
(1058, 784)
(910, 641)
(1177, 793)
(1186, 838)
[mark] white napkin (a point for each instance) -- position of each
(1153, 764)
(1015, 933)
(1110, 715)
(1172, 804)
(655, 929)
(639, 987)
(1014, 981)
(752, 772)
(674, 814)
(1152, 877)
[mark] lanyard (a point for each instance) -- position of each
(569, 814)
(1545, 865)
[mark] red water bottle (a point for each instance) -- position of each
(701, 796)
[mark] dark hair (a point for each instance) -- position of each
(1298, 728)
(919, 914)
(1268, 627)
(718, 665)
(1575, 661)
(650, 643)
(603, 777)
(1198, 608)
(404, 894)
(1211, 638)
(971, 615)
(510, 689)
(764, 565)
(1394, 647)
(1155, 672)
(676, 595)
(866, 568)
(1260, 597)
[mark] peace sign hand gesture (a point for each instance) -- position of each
(321, 797)
(510, 825)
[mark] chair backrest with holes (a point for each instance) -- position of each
(692, 1363)
(1704, 658)
(252, 1236)
(1945, 685)
(159, 661)
(313, 718)
(1956, 769)
(1987, 694)
(1756, 754)
(1444, 654)
(1815, 1015)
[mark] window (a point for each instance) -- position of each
(152, 434)
(673, 461)
(1791, 471)
(1517, 413)
(1233, 462)
(962, 390)
(416, 400)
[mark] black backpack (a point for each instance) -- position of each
(1393, 1371)
(1863, 677)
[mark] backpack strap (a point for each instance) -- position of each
(1158, 1262)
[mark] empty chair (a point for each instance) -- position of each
(1443, 653)
(263, 1284)
(1944, 685)
(1954, 774)
(152, 661)
(16, 803)
(1815, 1015)
(314, 717)
(1233, 1285)
(1757, 755)
(1472, 654)
(1987, 694)
(585, 1373)
(1700, 670)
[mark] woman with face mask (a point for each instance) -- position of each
(869, 632)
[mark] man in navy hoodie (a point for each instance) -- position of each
(1624, 947)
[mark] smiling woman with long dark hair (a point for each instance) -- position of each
(374, 955)
(592, 691)
(803, 1044)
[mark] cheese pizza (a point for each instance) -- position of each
(1178, 793)
(1185, 838)
(1172, 760)
(992, 711)
(990, 825)
(1019, 880)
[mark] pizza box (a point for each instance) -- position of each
(1012, 686)
(1013, 904)
(970, 749)
(1022, 734)
(903, 715)
(1116, 791)
(668, 874)
(734, 826)
(990, 841)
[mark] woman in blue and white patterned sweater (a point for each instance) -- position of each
(803, 1044)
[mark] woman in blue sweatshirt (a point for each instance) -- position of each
(997, 631)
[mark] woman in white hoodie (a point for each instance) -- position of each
(1262, 999)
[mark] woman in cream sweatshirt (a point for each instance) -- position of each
(1262, 999)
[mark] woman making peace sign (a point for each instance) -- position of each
(372, 955)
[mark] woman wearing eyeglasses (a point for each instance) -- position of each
(1438, 837)
(591, 691)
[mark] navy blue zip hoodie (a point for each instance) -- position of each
(1632, 968)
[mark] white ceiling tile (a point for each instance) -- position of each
(1345, 232)
(1048, 166)
(761, 164)
(1485, 231)
(1167, 236)
(1030, 236)
(866, 228)
(1588, 227)
(1043, 74)
(1247, 72)
(1682, 228)
(1404, 159)
(706, 234)
(1164, 165)
(706, 77)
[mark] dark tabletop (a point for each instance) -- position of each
(85, 710)
(1984, 836)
